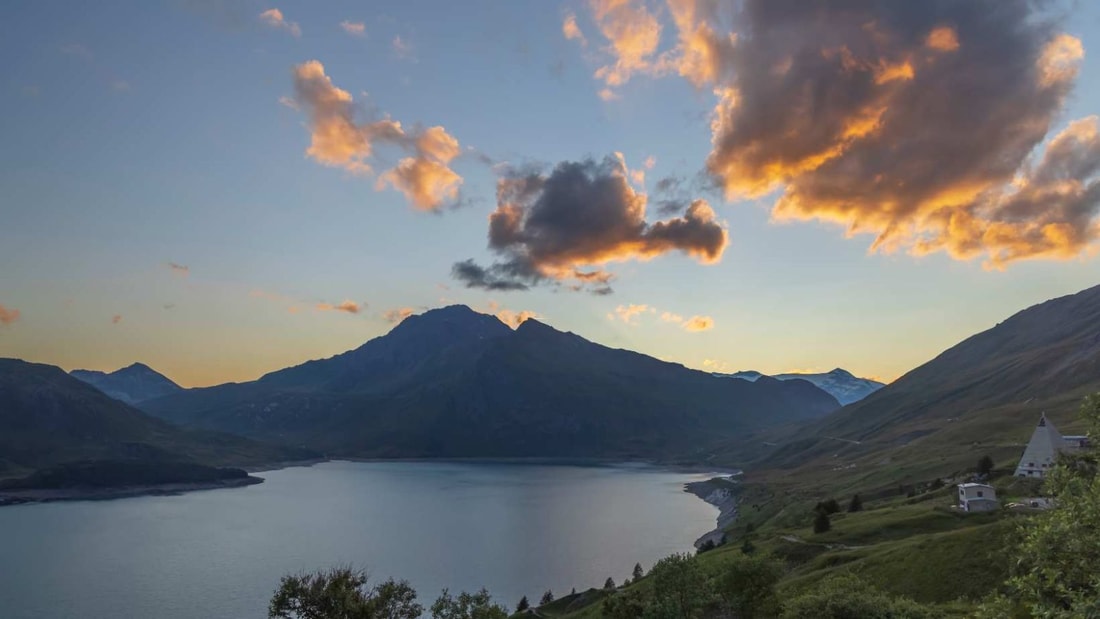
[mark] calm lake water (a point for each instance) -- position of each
(516, 529)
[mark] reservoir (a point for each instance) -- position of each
(513, 528)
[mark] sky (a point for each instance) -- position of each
(220, 189)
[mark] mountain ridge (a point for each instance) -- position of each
(453, 382)
(838, 382)
(131, 384)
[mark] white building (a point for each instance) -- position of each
(977, 498)
(1043, 448)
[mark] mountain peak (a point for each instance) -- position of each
(131, 384)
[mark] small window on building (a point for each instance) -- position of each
(979, 494)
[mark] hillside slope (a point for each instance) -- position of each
(452, 382)
(982, 395)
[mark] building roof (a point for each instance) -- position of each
(973, 485)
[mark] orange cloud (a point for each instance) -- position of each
(515, 319)
(8, 315)
(273, 18)
(355, 29)
(571, 30)
(337, 139)
(874, 131)
(670, 317)
(699, 323)
(117, 318)
(394, 316)
(565, 226)
(633, 34)
(943, 38)
(350, 307)
(629, 313)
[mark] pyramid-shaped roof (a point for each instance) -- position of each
(1041, 451)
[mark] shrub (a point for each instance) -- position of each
(342, 592)
(847, 597)
(856, 504)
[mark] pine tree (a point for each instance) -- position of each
(609, 583)
(821, 522)
(638, 572)
(985, 466)
(523, 604)
(856, 504)
(546, 598)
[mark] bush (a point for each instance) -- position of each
(747, 587)
(342, 592)
(679, 588)
(847, 597)
(628, 605)
(466, 606)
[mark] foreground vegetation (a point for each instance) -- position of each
(902, 554)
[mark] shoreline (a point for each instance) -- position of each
(53, 495)
(721, 493)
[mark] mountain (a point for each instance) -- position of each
(130, 384)
(455, 383)
(48, 418)
(839, 383)
(981, 396)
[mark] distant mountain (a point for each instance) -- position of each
(48, 418)
(981, 396)
(452, 382)
(839, 383)
(131, 384)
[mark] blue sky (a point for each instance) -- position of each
(138, 135)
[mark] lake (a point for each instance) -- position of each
(516, 529)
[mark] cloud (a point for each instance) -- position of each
(273, 18)
(566, 225)
(338, 139)
(629, 313)
(355, 29)
(699, 323)
(571, 30)
(396, 315)
(8, 315)
(179, 269)
(76, 49)
(510, 317)
(349, 307)
(117, 318)
(633, 34)
(403, 49)
(670, 317)
(927, 125)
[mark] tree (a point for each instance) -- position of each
(747, 587)
(821, 522)
(342, 592)
(846, 597)
(747, 547)
(467, 606)
(546, 598)
(856, 504)
(679, 588)
(624, 605)
(985, 466)
(638, 572)
(1055, 574)
(523, 604)
(827, 507)
(706, 546)
(609, 583)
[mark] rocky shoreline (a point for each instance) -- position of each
(721, 493)
(20, 497)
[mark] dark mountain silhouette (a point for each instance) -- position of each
(452, 382)
(983, 395)
(48, 418)
(131, 384)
